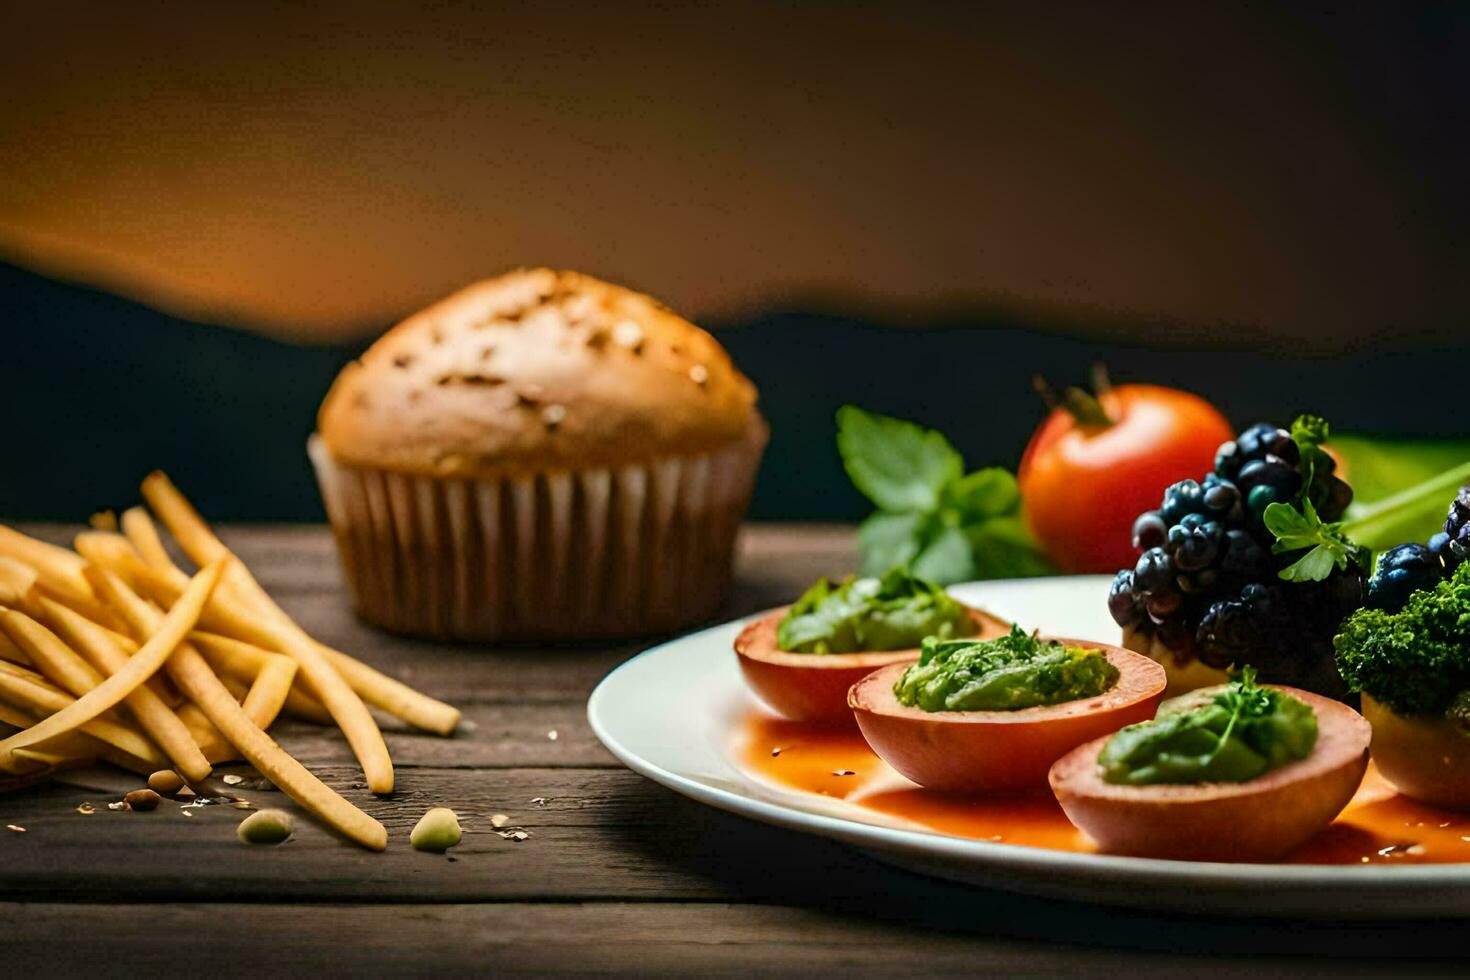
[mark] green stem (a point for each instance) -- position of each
(1080, 404)
(1383, 513)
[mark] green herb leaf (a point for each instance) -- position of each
(1004, 548)
(887, 540)
(897, 465)
(944, 524)
(946, 558)
(989, 492)
(1326, 545)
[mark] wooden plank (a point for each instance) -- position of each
(646, 939)
(595, 834)
(503, 736)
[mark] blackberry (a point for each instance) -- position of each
(1233, 630)
(1150, 530)
(1265, 465)
(1402, 571)
(1207, 584)
(1454, 548)
(1122, 602)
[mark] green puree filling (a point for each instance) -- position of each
(895, 612)
(1004, 674)
(1221, 735)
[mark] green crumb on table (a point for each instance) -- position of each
(265, 827)
(437, 831)
(1004, 674)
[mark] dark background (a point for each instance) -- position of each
(909, 206)
(97, 389)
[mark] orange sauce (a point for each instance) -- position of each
(1378, 827)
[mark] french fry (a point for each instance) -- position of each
(143, 534)
(267, 695)
(58, 572)
(351, 715)
(72, 745)
(209, 739)
(245, 661)
(47, 761)
(108, 550)
(85, 635)
(50, 561)
(9, 651)
(120, 556)
(19, 588)
(162, 642)
(95, 644)
(32, 692)
(190, 671)
(228, 617)
(52, 658)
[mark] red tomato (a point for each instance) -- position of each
(1083, 485)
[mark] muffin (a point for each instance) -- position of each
(539, 456)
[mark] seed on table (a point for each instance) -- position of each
(142, 800)
(499, 820)
(166, 782)
(265, 827)
(438, 831)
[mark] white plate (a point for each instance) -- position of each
(669, 712)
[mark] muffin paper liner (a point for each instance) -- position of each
(558, 555)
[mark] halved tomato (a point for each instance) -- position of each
(1427, 759)
(979, 751)
(813, 686)
(1258, 820)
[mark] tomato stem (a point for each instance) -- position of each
(1081, 405)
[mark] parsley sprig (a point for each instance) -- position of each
(1298, 527)
(1329, 546)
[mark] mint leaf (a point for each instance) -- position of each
(990, 492)
(897, 465)
(888, 540)
(1002, 547)
(946, 558)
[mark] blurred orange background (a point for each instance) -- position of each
(1172, 173)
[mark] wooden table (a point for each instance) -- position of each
(618, 875)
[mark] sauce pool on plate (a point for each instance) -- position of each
(1378, 827)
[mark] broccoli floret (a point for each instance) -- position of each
(1415, 661)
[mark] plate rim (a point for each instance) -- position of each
(1008, 859)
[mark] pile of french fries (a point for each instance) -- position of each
(112, 652)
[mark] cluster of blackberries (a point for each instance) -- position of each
(1207, 584)
(1407, 568)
